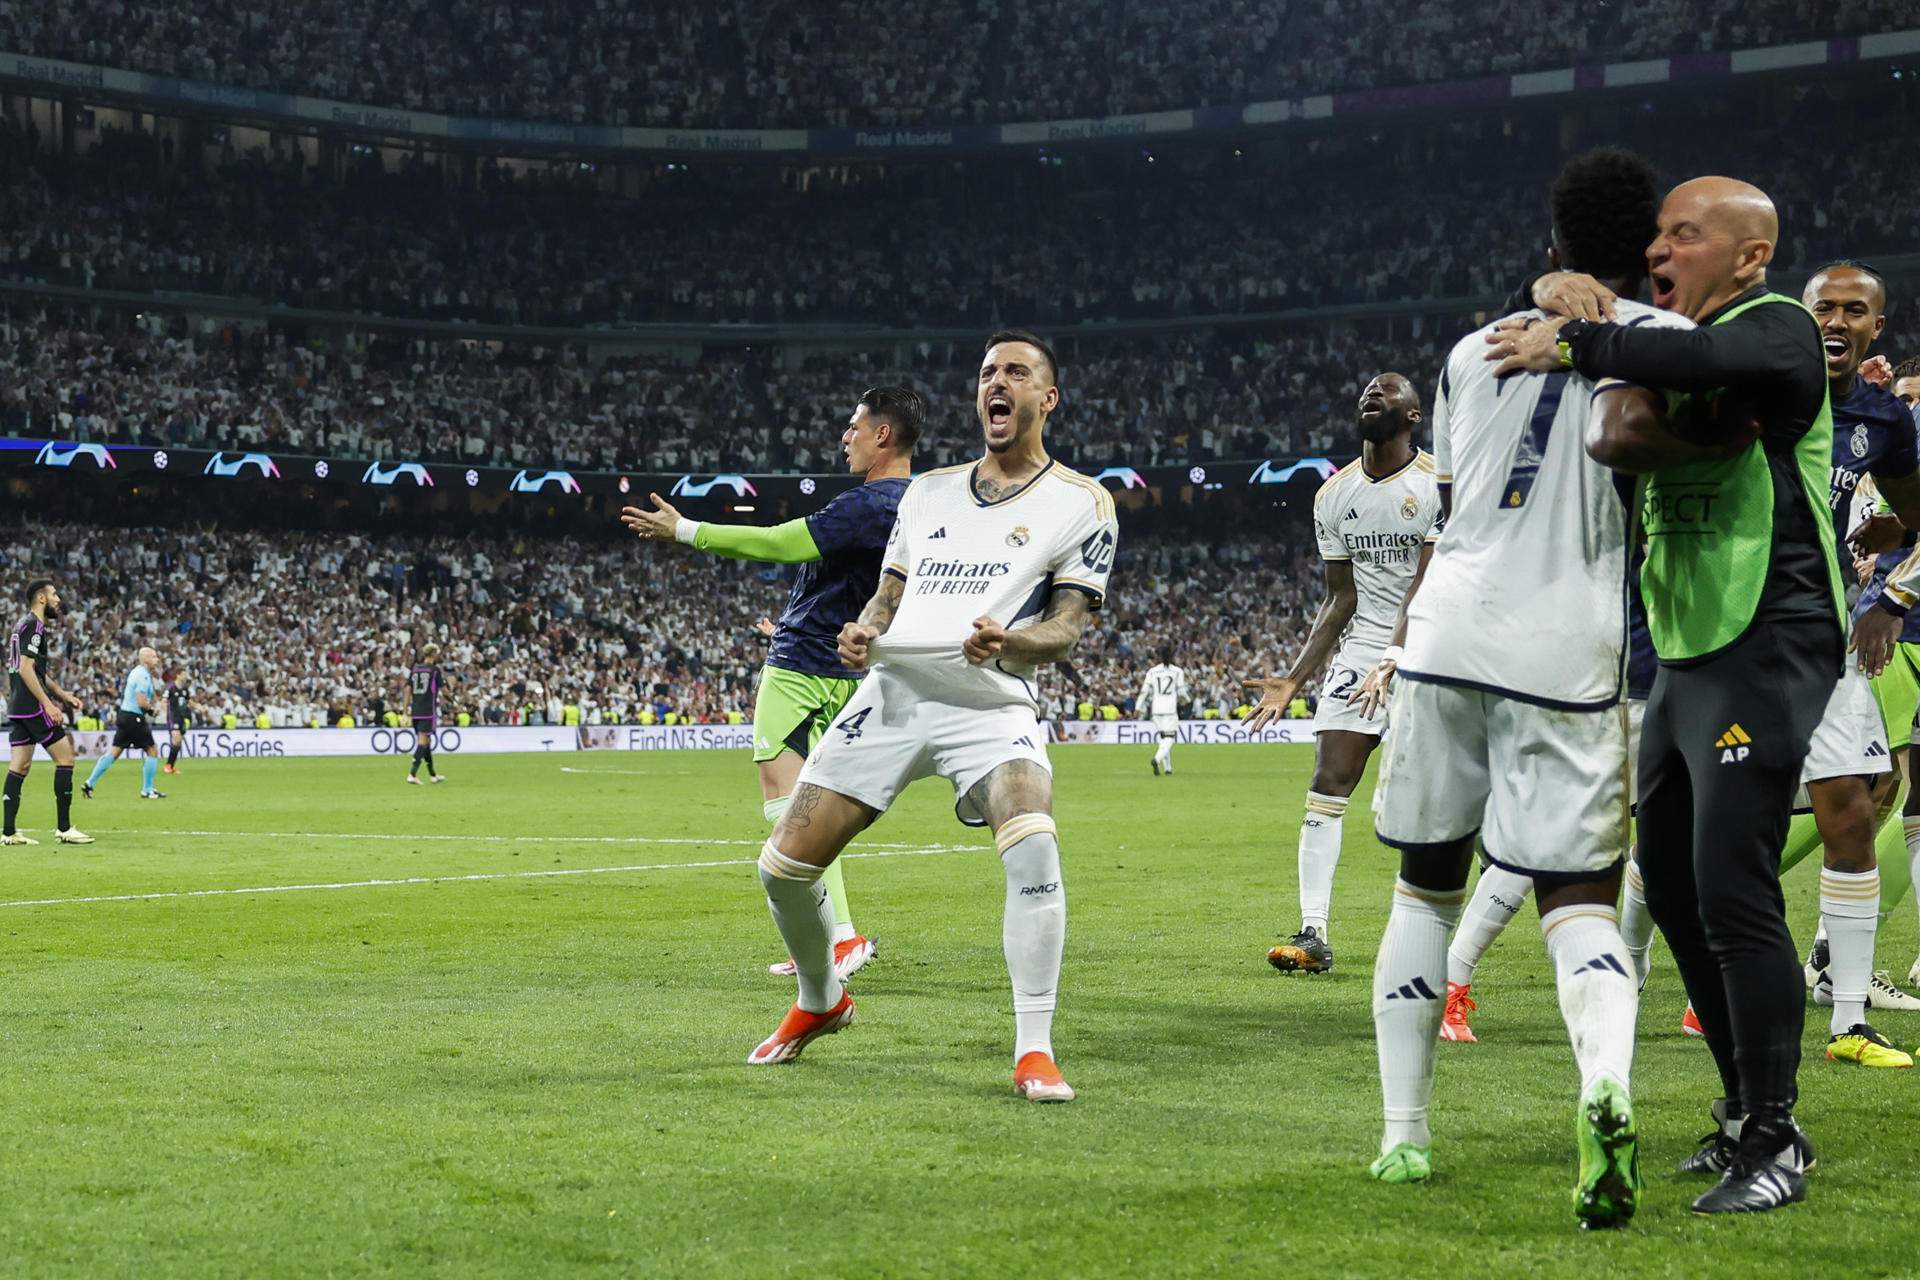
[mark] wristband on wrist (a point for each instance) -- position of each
(686, 530)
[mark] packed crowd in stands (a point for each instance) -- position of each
(1142, 402)
(551, 249)
(748, 63)
(316, 628)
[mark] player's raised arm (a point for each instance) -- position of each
(788, 543)
(1335, 612)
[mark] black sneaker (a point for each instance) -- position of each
(1305, 952)
(86, 789)
(1768, 1172)
(1718, 1149)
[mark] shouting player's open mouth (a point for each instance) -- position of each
(1839, 352)
(999, 415)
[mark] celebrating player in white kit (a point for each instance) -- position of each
(993, 569)
(1510, 723)
(1376, 520)
(1161, 695)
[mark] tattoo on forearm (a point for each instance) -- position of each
(885, 603)
(1058, 630)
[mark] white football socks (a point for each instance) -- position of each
(1636, 922)
(1163, 754)
(1320, 834)
(1409, 984)
(832, 878)
(1850, 913)
(799, 904)
(1034, 930)
(1496, 900)
(1599, 992)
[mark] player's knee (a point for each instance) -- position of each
(1029, 845)
(1440, 867)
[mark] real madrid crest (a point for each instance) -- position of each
(1018, 538)
(1409, 507)
(1859, 441)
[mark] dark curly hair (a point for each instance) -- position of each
(1606, 210)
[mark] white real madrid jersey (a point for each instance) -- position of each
(1162, 692)
(961, 556)
(1380, 525)
(1526, 595)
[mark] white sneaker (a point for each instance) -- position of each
(439, 778)
(1913, 975)
(1882, 994)
(18, 839)
(73, 835)
(412, 781)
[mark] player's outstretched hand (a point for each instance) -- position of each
(1371, 695)
(1879, 532)
(1574, 295)
(855, 637)
(1874, 636)
(985, 643)
(1525, 344)
(1878, 371)
(765, 627)
(654, 526)
(1276, 695)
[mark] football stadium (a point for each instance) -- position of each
(770, 637)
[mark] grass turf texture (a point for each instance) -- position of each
(545, 1075)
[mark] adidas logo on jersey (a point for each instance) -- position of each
(1733, 745)
(941, 532)
(1415, 990)
(1353, 513)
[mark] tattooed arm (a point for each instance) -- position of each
(873, 622)
(1048, 640)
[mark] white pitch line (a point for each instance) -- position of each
(920, 852)
(387, 835)
(629, 773)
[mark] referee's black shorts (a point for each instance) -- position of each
(132, 732)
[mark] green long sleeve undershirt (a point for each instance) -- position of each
(789, 543)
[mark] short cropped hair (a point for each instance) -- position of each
(1032, 339)
(900, 407)
(1606, 211)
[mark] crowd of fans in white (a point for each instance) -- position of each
(308, 628)
(748, 63)
(1146, 402)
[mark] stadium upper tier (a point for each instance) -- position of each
(1139, 403)
(313, 626)
(1437, 210)
(754, 64)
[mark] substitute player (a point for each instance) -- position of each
(838, 548)
(992, 570)
(1161, 695)
(37, 717)
(1511, 723)
(1747, 668)
(133, 727)
(423, 692)
(1376, 520)
(179, 718)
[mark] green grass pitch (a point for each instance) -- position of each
(503, 1058)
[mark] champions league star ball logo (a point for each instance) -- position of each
(159, 459)
(1409, 508)
(320, 469)
(807, 485)
(473, 479)
(1858, 443)
(1018, 538)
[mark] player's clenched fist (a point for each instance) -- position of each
(985, 643)
(854, 639)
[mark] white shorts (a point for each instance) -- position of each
(1167, 726)
(1344, 675)
(1851, 739)
(1546, 789)
(888, 735)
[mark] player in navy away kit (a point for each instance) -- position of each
(423, 686)
(37, 716)
(803, 685)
